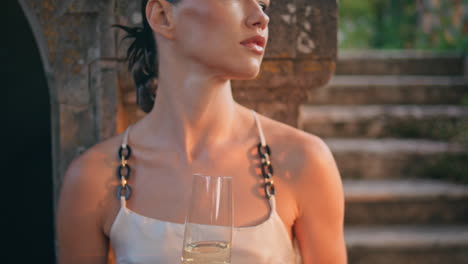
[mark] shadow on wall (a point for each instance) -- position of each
(29, 152)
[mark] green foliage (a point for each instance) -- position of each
(396, 24)
(451, 167)
(441, 128)
(355, 24)
(465, 100)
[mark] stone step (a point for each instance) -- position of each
(400, 63)
(393, 202)
(440, 122)
(398, 158)
(353, 90)
(407, 244)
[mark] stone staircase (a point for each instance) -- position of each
(395, 121)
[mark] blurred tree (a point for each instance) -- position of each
(403, 24)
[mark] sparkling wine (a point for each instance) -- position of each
(207, 252)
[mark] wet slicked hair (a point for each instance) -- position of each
(141, 58)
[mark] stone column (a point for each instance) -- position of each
(75, 40)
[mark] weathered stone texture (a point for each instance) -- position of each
(74, 36)
(401, 63)
(385, 90)
(103, 83)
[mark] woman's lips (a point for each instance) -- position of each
(252, 46)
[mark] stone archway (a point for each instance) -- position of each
(74, 44)
(28, 141)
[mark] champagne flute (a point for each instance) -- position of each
(208, 225)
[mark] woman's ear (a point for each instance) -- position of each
(160, 17)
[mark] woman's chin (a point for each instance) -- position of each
(244, 77)
(246, 73)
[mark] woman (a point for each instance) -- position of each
(196, 126)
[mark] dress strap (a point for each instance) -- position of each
(267, 168)
(259, 127)
(123, 202)
(272, 202)
(124, 167)
(125, 137)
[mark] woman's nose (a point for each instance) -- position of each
(257, 17)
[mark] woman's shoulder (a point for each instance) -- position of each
(100, 156)
(303, 160)
(306, 160)
(87, 194)
(92, 174)
(288, 137)
(298, 151)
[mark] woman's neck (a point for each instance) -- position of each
(193, 114)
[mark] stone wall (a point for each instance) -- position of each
(89, 83)
(77, 48)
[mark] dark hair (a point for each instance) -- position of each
(142, 59)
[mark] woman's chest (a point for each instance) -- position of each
(161, 190)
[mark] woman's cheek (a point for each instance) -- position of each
(196, 24)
